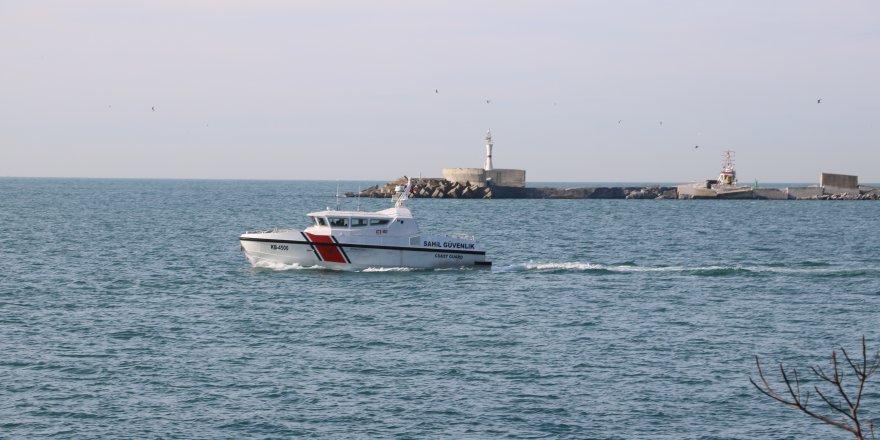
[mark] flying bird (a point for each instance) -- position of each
(661, 122)
(154, 108)
(488, 101)
(819, 101)
(696, 146)
(436, 91)
(619, 121)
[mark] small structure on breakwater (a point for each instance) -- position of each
(839, 182)
(725, 186)
(488, 176)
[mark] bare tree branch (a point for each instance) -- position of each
(832, 405)
(821, 374)
(767, 389)
(862, 368)
(838, 377)
(795, 403)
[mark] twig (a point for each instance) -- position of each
(863, 370)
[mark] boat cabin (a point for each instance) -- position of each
(394, 221)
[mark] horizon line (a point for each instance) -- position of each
(381, 180)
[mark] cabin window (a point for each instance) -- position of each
(338, 222)
(358, 222)
(378, 221)
(320, 221)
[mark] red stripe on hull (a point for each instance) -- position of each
(328, 253)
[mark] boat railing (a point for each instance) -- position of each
(267, 231)
(461, 236)
(456, 235)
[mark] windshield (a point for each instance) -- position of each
(338, 222)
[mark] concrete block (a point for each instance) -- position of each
(869, 190)
(473, 175)
(838, 180)
(770, 194)
(508, 177)
(692, 191)
(670, 193)
(736, 193)
(805, 193)
(840, 190)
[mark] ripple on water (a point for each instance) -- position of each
(127, 310)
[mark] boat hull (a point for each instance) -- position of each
(331, 254)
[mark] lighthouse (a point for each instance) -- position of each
(488, 166)
(488, 175)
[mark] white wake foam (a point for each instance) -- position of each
(623, 268)
(389, 269)
(522, 267)
(274, 265)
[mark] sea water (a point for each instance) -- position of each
(127, 310)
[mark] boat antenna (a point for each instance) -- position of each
(402, 193)
(359, 198)
(337, 195)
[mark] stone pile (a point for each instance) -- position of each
(848, 196)
(603, 192)
(651, 192)
(429, 188)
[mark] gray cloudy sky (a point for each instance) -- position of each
(346, 89)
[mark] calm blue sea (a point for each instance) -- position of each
(128, 311)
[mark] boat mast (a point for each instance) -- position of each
(728, 173)
(402, 193)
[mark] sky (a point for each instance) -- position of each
(576, 90)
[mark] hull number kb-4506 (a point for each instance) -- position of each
(279, 247)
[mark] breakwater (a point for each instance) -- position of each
(439, 188)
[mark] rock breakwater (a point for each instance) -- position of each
(438, 188)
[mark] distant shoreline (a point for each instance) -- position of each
(535, 184)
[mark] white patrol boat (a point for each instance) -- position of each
(354, 240)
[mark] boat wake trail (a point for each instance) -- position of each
(552, 267)
(276, 266)
(389, 269)
(809, 269)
